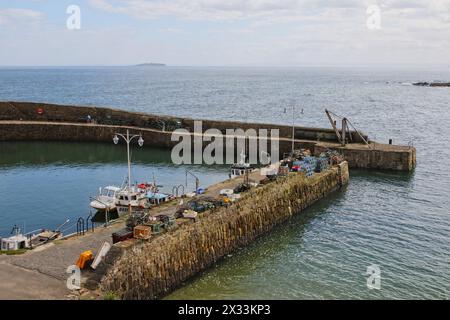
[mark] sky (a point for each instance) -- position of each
(225, 32)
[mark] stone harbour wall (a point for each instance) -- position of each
(149, 270)
(19, 121)
(380, 157)
(383, 158)
(27, 111)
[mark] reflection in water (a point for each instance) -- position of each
(74, 153)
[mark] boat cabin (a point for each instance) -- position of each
(157, 198)
(106, 199)
(131, 200)
(240, 169)
(109, 191)
(16, 242)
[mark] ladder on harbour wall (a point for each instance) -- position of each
(83, 225)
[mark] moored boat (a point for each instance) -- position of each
(132, 199)
(106, 199)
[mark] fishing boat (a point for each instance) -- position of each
(152, 192)
(157, 197)
(15, 242)
(131, 199)
(106, 199)
(240, 168)
(19, 241)
(45, 236)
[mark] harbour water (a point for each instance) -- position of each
(400, 222)
(45, 183)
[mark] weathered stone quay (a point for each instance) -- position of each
(151, 269)
(22, 121)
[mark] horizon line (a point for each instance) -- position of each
(163, 65)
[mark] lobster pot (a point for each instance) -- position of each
(310, 165)
(311, 160)
(142, 232)
(324, 163)
(307, 168)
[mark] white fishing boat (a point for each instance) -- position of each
(16, 242)
(106, 199)
(131, 199)
(240, 168)
(29, 240)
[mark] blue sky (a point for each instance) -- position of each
(219, 32)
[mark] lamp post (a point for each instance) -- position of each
(128, 139)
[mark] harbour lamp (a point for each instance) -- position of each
(128, 139)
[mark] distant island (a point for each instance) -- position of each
(151, 64)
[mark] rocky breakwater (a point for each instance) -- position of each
(151, 269)
(432, 84)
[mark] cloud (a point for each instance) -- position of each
(279, 9)
(8, 16)
(238, 32)
(219, 9)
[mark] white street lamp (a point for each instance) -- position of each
(128, 139)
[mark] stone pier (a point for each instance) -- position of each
(151, 269)
(47, 122)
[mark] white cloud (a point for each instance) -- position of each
(13, 15)
(288, 10)
(276, 32)
(219, 9)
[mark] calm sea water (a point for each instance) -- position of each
(398, 221)
(45, 183)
